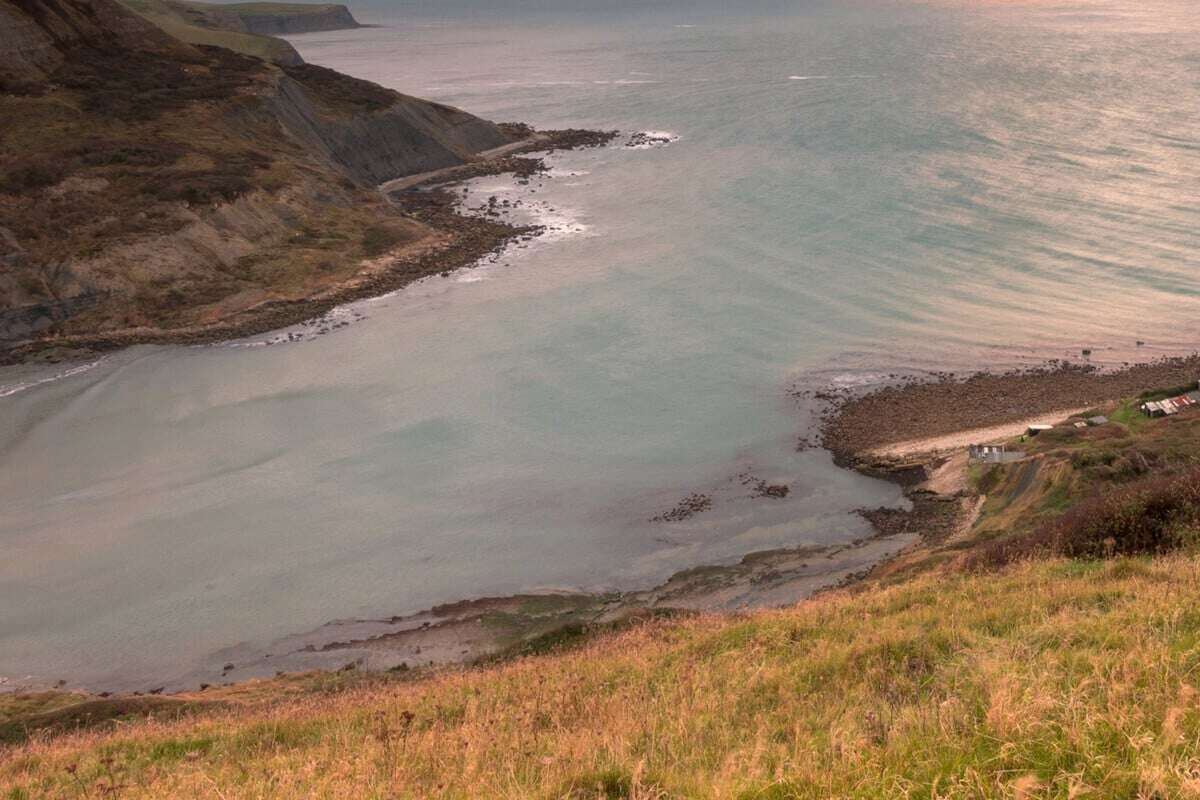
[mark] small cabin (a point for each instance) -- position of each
(993, 454)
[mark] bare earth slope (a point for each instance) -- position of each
(149, 183)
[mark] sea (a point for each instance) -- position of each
(834, 192)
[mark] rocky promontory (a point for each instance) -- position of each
(281, 19)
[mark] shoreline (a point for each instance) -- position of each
(472, 631)
(457, 240)
(900, 416)
(477, 630)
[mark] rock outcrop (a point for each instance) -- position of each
(287, 18)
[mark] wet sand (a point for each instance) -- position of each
(474, 630)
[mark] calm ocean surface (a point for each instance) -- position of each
(857, 188)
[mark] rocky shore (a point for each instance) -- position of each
(893, 433)
(855, 426)
(460, 240)
(487, 628)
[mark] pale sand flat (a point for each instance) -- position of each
(961, 439)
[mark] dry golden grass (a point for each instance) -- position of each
(1053, 679)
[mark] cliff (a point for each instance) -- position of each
(250, 28)
(278, 19)
(205, 24)
(150, 183)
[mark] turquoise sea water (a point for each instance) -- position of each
(857, 188)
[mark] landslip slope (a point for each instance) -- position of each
(150, 183)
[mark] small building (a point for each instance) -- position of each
(993, 454)
(1170, 406)
(1097, 420)
(1034, 430)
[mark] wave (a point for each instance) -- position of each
(332, 320)
(14, 388)
(646, 140)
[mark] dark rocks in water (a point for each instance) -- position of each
(644, 139)
(760, 488)
(686, 508)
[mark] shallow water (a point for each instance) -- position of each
(857, 188)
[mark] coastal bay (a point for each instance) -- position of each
(513, 429)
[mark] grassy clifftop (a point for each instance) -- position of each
(945, 675)
(249, 28)
(204, 24)
(1054, 679)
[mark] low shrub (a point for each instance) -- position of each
(341, 92)
(1150, 516)
(378, 239)
(31, 176)
(201, 188)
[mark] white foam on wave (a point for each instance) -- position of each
(826, 77)
(528, 84)
(558, 223)
(648, 140)
(332, 320)
(555, 172)
(14, 388)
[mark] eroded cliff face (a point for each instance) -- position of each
(390, 136)
(278, 23)
(148, 183)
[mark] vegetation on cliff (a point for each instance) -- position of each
(208, 24)
(146, 183)
(248, 28)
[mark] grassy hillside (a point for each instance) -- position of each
(195, 24)
(1054, 679)
(945, 675)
